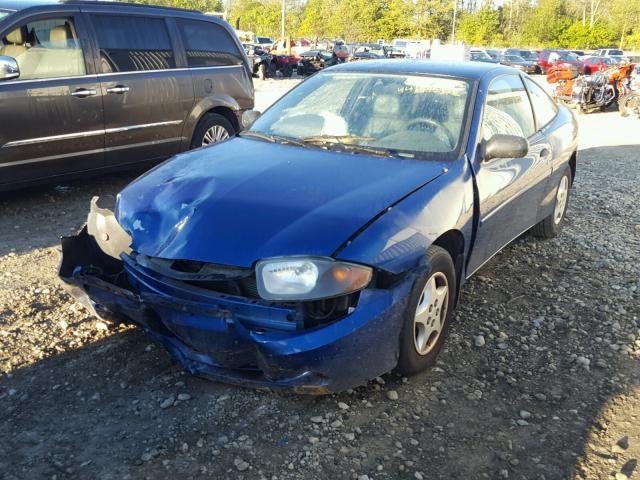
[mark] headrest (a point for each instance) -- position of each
(16, 37)
(58, 36)
(386, 104)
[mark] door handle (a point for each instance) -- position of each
(118, 89)
(84, 92)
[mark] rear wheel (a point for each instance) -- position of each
(287, 71)
(213, 128)
(629, 104)
(550, 227)
(273, 69)
(428, 314)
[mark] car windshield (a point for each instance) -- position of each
(479, 56)
(388, 114)
(515, 59)
(568, 57)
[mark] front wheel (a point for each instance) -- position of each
(550, 227)
(428, 314)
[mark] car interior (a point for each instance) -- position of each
(45, 49)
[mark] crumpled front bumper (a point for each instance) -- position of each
(239, 340)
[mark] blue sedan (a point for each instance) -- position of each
(327, 243)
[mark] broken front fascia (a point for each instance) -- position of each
(245, 341)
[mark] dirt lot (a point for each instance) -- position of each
(553, 393)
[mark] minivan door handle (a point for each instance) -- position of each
(118, 89)
(84, 92)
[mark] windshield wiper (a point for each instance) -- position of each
(331, 141)
(273, 138)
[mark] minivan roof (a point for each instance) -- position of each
(22, 4)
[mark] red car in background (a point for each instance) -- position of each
(548, 58)
(596, 64)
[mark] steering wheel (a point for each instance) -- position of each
(440, 130)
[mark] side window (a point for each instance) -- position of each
(508, 109)
(132, 44)
(543, 107)
(207, 44)
(45, 49)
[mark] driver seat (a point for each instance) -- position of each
(16, 46)
(386, 111)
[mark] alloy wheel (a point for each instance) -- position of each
(215, 134)
(561, 199)
(431, 313)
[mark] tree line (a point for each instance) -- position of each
(576, 24)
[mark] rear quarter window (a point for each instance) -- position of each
(207, 44)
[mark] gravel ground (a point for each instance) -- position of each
(540, 377)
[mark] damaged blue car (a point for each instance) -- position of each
(328, 242)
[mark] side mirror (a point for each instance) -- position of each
(504, 146)
(248, 117)
(8, 68)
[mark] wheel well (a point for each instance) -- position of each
(453, 242)
(228, 114)
(572, 164)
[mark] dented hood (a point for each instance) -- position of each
(245, 199)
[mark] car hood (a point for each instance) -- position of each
(246, 199)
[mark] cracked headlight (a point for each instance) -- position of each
(309, 278)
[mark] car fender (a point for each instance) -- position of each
(397, 240)
(203, 106)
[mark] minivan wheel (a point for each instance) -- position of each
(428, 314)
(213, 128)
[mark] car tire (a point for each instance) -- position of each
(210, 130)
(425, 323)
(262, 71)
(287, 71)
(550, 227)
(273, 70)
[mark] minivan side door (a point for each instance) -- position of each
(510, 190)
(52, 119)
(146, 96)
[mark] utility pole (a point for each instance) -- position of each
(283, 20)
(455, 14)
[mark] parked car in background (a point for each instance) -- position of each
(92, 86)
(366, 51)
(528, 55)
(549, 57)
(610, 52)
(265, 42)
(262, 62)
(516, 61)
(493, 53)
(313, 61)
(477, 55)
(327, 244)
(596, 64)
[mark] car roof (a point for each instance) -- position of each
(472, 70)
(22, 4)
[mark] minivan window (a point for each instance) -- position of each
(45, 49)
(208, 44)
(130, 44)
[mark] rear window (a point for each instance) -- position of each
(615, 52)
(129, 44)
(208, 44)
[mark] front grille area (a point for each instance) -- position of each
(241, 282)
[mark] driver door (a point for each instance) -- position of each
(509, 189)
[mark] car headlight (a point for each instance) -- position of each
(309, 278)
